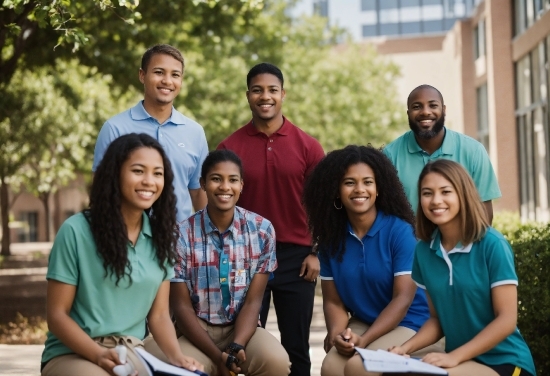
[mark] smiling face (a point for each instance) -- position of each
(358, 190)
(439, 200)
(162, 79)
(223, 184)
(426, 112)
(141, 179)
(265, 96)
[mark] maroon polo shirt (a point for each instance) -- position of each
(275, 169)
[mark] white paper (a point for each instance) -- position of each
(158, 365)
(384, 361)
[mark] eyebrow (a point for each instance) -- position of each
(269, 86)
(161, 68)
(142, 165)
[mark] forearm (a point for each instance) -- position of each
(164, 333)
(428, 334)
(72, 336)
(387, 320)
(336, 318)
(191, 329)
(246, 323)
(198, 199)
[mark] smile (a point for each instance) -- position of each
(145, 194)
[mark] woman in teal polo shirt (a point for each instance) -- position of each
(467, 270)
(363, 224)
(110, 266)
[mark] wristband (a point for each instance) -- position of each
(233, 348)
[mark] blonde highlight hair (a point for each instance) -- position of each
(472, 214)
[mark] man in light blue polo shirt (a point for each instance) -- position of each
(183, 139)
(428, 140)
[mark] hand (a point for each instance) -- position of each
(222, 368)
(399, 350)
(328, 343)
(187, 362)
(346, 341)
(108, 359)
(441, 360)
(310, 268)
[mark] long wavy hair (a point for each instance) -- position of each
(327, 224)
(105, 216)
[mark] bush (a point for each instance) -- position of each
(24, 331)
(531, 245)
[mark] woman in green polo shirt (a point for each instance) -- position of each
(110, 266)
(467, 270)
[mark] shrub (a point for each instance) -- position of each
(24, 331)
(531, 245)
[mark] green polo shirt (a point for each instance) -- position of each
(409, 160)
(100, 307)
(459, 283)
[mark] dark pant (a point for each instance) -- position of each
(293, 300)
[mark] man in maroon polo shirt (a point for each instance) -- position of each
(277, 156)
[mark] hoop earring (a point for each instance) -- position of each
(334, 203)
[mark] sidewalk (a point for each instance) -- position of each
(25, 359)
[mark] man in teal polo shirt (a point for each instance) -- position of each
(429, 140)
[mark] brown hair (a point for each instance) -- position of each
(472, 214)
(164, 49)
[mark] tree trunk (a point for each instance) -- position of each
(45, 198)
(5, 215)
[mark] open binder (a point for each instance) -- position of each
(384, 361)
(157, 367)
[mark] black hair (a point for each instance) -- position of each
(424, 86)
(217, 156)
(328, 224)
(105, 216)
(161, 49)
(264, 68)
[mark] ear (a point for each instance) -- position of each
(283, 92)
(202, 183)
(444, 109)
(141, 76)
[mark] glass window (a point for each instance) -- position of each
(368, 5)
(389, 4)
(519, 16)
(432, 26)
(389, 16)
(410, 14)
(482, 116)
(369, 31)
(448, 23)
(523, 79)
(411, 28)
(320, 8)
(389, 29)
(432, 2)
(409, 3)
(479, 39)
(432, 12)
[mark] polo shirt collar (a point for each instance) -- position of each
(446, 147)
(138, 112)
(283, 131)
(376, 226)
(146, 225)
(435, 245)
(210, 228)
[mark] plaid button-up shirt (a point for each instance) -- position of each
(250, 245)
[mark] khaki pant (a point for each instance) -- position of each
(73, 364)
(265, 356)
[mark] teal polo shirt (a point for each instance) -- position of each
(100, 307)
(409, 159)
(459, 283)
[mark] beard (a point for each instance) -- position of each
(426, 135)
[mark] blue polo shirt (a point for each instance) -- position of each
(409, 159)
(459, 283)
(183, 141)
(364, 278)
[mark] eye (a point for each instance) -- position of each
(176, 75)
(426, 194)
(256, 91)
(274, 90)
(234, 180)
(446, 192)
(158, 173)
(348, 183)
(137, 171)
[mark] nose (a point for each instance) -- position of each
(264, 94)
(224, 185)
(359, 187)
(147, 179)
(425, 110)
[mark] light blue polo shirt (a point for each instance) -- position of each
(459, 283)
(100, 307)
(364, 278)
(409, 159)
(183, 141)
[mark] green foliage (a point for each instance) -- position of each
(531, 244)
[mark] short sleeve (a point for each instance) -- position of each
(105, 137)
(403, 243)
(316, 153)
(484, 176)
(195, 176)
(500, 261)
(416, 270)
(326, 269)
(180, 267)
(63, 259)
(267, 261)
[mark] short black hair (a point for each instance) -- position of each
(217, 156)
(264, 68)
(424, 86)
(161, 49)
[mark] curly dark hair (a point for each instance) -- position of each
(326, 223)
(104, 213)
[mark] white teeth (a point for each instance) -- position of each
(226, 197)
(359, 199)
(426, 121)
(265, 105)
(145, 193)
(438, 210)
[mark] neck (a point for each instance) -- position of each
(450, 236)
(221, 219)
(161, 112)
(432, 144)
(268, 126)
(361, 223)
(133, 220)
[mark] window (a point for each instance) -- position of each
(479, 40)
(29, 231)
(369, 31)
(482, 116)
(368, 5)
(527, 12)
(320, 7)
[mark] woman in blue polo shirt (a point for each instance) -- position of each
(467, 270)
(363, 224)
(110, 266)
